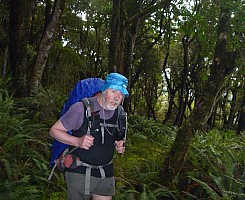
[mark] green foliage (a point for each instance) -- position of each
(67, 66)
(214, 168)
(18, 161)
(24, 151)
(217, 160)
(45, 106)
(137, 170)
(215, 163)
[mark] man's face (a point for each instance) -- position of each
(112, 98)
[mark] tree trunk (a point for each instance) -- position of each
(184, 93)
(241, 119)
(168, 114)
(203, 107)
(171, 91)
(118, 36)
(223, 113)
(20, 12)
(44, 47)
(124, 30)
(233, 109)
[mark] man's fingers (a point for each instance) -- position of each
(87, 141)
(120, 146)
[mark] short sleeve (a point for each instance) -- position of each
(73, 118)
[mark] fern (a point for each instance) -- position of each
(217, 153)
(23, 153)
(209, 190)
(147, 142)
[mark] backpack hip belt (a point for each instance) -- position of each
(88, 173)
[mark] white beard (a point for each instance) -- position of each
(109, 106)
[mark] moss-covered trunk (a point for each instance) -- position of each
(204, 105)
(44, 47)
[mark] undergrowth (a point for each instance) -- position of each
(214, 167)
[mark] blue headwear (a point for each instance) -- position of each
(117, 82)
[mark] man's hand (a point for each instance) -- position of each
(86, 141)
(119, 146)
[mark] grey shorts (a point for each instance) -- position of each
(76, 186)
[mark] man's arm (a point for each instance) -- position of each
(59, 132)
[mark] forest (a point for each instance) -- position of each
(184, 60)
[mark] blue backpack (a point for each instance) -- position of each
(83, 89)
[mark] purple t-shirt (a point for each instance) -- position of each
(73, 118)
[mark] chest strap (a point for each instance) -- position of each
(103, 126)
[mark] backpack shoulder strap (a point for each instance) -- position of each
(89, 106)
(122, 123)
(120, 108)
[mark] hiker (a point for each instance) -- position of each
(93, 177)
